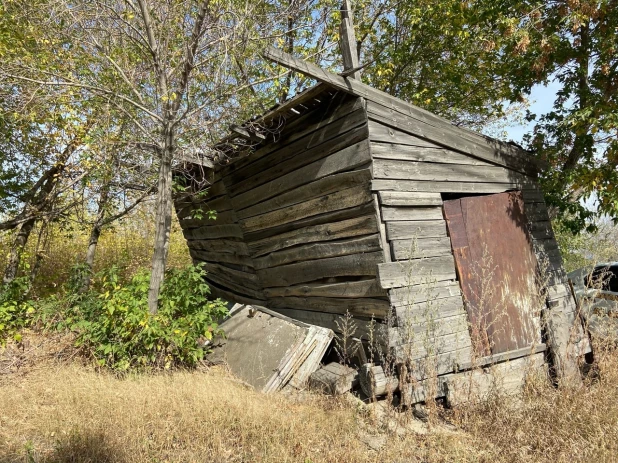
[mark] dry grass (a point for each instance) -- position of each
(62, 411)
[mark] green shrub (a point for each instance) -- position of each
(15, 311)
(114, 324)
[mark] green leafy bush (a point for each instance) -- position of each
(114, 324)
(15, 311)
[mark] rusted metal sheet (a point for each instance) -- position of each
(497, 270)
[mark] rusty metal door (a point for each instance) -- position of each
(497, 270)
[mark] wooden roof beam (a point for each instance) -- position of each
(347, 42)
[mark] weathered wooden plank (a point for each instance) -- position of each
(431, 347)
(443, 187)
(408, 296)
(344, 199)
(417, 271)
(510, 355)
(430, 125)
(386, 250)
(302, 98)
(244, 278)
(328, 217)
(440, 364)
(536, 212)
(478, 384)
(220, 218)
(221, 245)
(301, 272)
(382, 136)
(333, 379)
(231, 296)
(365, 330)
(311, 251)
(397, 213)
(344, 289)
(533, 196)
(466, 142)
(282, 163)
(348, 42)
(364, 307)
(335, 230)
(419, 153)
(375, 382)
(219, 205)
(541, 230)
(406, 198)
(234, 286)
(321, 187)
(220, 257)
(331, 139)
(415, 229)
(430, 311)
(427, 331)
(428, 171)
(213, 232)
(545, 244)
(421, 247)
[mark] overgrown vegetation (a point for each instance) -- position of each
(110, 319)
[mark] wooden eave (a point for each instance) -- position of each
(410, 118)
(269, 122)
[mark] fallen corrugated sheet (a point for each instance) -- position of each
(269, 350)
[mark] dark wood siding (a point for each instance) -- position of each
(302, 219)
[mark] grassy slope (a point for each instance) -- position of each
(66, 412)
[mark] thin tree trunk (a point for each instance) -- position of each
(163, 222)
(93, 241)
(41, 246)
(95, 234)
(17, 250)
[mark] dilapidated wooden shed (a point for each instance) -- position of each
(345, 198)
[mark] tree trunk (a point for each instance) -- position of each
(41, 245)
(93, 241)
(17, 249)
(163, 222)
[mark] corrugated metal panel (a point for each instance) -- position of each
(497, 269)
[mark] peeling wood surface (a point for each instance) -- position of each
(497, 268)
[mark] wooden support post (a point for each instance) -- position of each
(347, 42)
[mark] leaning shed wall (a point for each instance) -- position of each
(296, 226)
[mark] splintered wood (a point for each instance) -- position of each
(270, 351)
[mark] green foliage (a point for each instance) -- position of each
(15, 311)
(587, 249)
(112, 322)
(116, 327)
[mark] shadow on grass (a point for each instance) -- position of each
(78, 447)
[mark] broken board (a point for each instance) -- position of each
(268, 350)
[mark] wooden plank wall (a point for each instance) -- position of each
(302, 220)
(220, 245)
(410, 173)
(566, 336)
